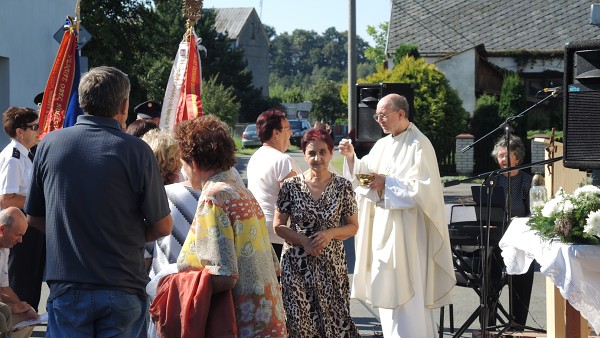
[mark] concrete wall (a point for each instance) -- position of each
(460, 72)
(28, 49)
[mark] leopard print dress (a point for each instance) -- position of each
(316, 289)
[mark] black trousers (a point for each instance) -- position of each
(26, 267)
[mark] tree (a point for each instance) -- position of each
(326, 102)
(439, 111)
(376, 54)
(112, 23)
(404, 50)
(303, 57)
(512, 102)
(293, 94)
(485, 119)
(220, 101)
(141, 38)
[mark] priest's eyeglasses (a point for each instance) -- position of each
(382, 116)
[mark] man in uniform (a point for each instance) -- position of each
(149, 110)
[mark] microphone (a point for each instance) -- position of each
(552, 89)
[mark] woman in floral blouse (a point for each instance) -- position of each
(228, 236)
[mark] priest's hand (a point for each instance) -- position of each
(378, 183)
(346, 148)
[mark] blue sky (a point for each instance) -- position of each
(317, 15)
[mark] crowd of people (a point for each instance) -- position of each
(105, 209)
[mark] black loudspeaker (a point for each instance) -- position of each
(582, 105)
(368, 95)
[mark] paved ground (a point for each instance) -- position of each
(466, 300)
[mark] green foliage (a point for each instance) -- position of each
(220, 101)
(485, 119)
(288, 95)
(303, 57)
(439, 112)
(326, 102)
(404, 50)
(141, 37)
(513, 102)
(112, 22)
(376, 54)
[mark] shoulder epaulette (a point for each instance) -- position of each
(16, 153)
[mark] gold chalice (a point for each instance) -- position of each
(365, 179)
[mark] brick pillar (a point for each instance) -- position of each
(464, 161)
(538, 152)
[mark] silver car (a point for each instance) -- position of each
(250, 137)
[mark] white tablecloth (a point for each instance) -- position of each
(574, 269)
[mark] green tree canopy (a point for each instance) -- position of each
(513, 102)
(141, 37)
(485, 119)
(220, 101)
(326, 102)
(376, 53)
(303, 57)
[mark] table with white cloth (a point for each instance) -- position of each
(573, 269)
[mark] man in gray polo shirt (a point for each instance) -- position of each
(97, 193)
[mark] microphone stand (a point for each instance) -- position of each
(510, 119)
(490, 182)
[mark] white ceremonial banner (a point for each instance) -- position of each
(173, 92)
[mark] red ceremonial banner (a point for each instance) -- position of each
(59, 85)
(190, 100)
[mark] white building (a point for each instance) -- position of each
(28, 49)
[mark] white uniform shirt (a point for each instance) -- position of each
(15, 169)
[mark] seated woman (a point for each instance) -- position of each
(228, 237)
(520, 183)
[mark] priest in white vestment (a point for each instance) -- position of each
(403, 258)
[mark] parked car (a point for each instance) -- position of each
(250, 137)
(299, 128)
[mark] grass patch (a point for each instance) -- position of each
(337, 164)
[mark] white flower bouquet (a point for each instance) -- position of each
(571, 218)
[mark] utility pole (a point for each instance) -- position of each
(352, 66)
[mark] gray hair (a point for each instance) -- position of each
(6, 218)
(516, 147)
(398, 102)
(103, 90)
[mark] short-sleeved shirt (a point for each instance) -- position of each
(267, 168)
(15, 169)
(98, 188)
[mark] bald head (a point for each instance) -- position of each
(393, 110)
(13, 225)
